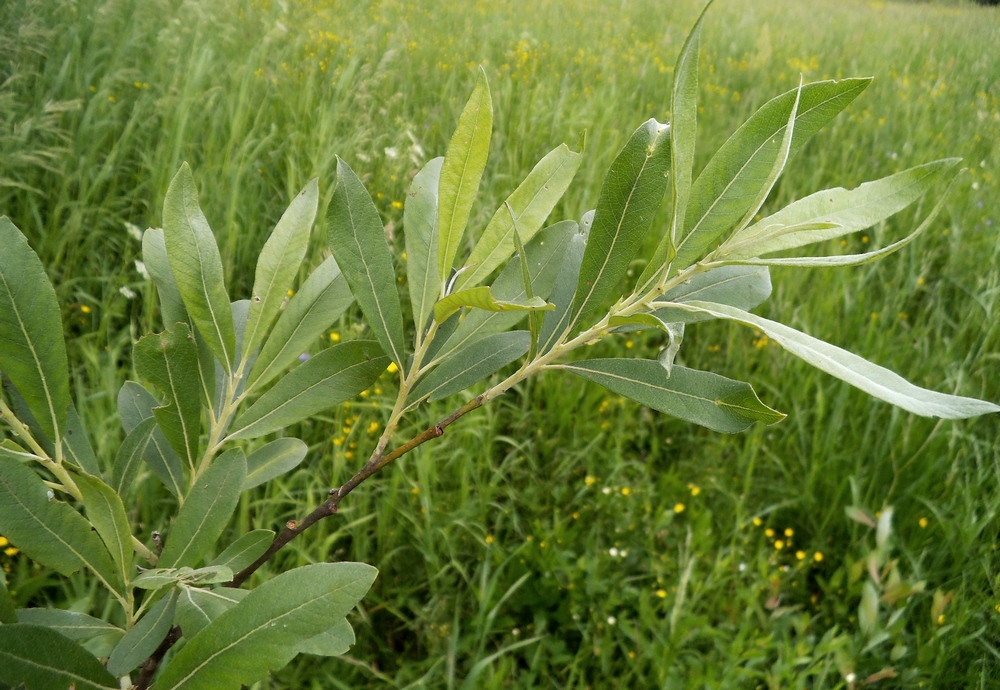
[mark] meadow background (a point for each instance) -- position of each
(562, 537)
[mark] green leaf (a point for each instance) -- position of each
(728, 186)
(357, 240)
(77, 446)
(472, 363)
(32, 349)
(71, 624)
(197, 266)
(483, 298)
(673, 329)
(241, 311)
(106, 513)
(833, 213)
(322, 299)
(144, 637)
(7, 615)
(258, 634)
(464, 162)
(557, 321)
(198, 607)
(325, 380)
(273, 460)
(245, 550)
(871, 378)
(11, 450)
(278, 265)
(207, 510)
(135, 404)
(48, 530)
(207, 371)
(336, 641)
(744, 287)
(531, 202)
(545, 255)
(129, 454)
(154, 256)
(631, 195)
(42, 658)
(700, 397)
(169, 361)
(420, 232)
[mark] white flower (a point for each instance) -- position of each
(850, 677)
(743, 567)
(624, 553)
(127, 292)
(606, 490)
(613, 552)
(391, 152)
(612, 620)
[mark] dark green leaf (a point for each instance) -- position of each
(198, 607)
(325, 380)
(273, 460)
(154, 256)
(74, 625)
(197, 266)
(32, 349)
(632, 192)
(254, 637)
(473, 363)
(48, 530)
(135, 404)
(42, 659)
(169, 361)
(7, 615)
(557, 321)
(245, 550)
(420, 232)
(106, 513)
(207, 510)
(461, 172)
(129, 455)
(144, 637)
(77, 446)
(700, 397)
(323, 298)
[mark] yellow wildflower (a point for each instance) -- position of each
(679, 508)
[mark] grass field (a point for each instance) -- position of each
(562, 537)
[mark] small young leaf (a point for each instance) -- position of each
(357, 240)
(420, 232)
(242, 644)
(631, 194)
(197, 266)
(531, 202)
(860, 373)
(169, 361)
(144, 637)
(473, 363)
(72, 624)
(245, 550)
(207, 510)
(273, 460)
(483, 298)
(701, 397)
(32, 349)
(322, 299)
(77, 446)
(48, 530)
(129, 454)
(154, 256)
(135, 404)
(336, 641)
(106, 513)
(198, 607)
(278, 265)
(38, 657)
(328, 379)
(461, 172)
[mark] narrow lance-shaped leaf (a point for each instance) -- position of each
(700, 397)
(744, 287)
(727, 187)
(534, 323)
(273, 460)
(207, 510)
(197, 266)
(630, 196)
(245, 550)
(135, 404)
(357, 240)
(556, 321)
(472, 363)
(325, 380)
(322, 299)
(871, 378)
(76, 444)
(420, 232)
(144, 637)
(197, 607)
(673, 329)
(38, 657)
(531, 203)
(154, 257)
(48, 530)
(464, 162)
(278, 265)
(250, 639)
(169, 361)
(106, 513)
(240, 310)
(483, 298)
(32, 349)
(836, 212)
(130, 454)
(71, 624)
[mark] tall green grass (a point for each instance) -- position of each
(495, 543)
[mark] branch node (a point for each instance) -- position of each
(438, 430)
(291, 524)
